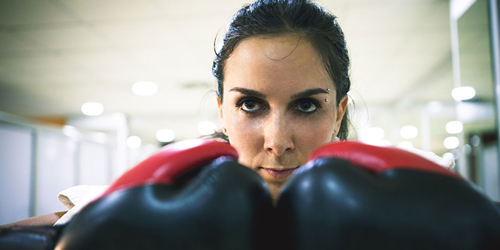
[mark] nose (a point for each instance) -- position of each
(278, 134)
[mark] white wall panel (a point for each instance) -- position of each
(55, 170)
(94, 163)
(15, 173)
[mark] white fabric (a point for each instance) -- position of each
(75, 198)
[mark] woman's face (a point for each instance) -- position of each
(274, 107)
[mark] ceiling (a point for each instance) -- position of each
(56, 55)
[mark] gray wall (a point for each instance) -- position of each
(37, 162)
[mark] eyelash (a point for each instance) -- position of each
(240, 102)
(314, 101)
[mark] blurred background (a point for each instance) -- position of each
(90, 88)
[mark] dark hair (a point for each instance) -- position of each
(273, 17)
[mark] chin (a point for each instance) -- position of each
(274, 184)
(274, 189)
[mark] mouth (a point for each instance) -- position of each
(279, 173)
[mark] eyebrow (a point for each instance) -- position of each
(309, 92)
(305, 93)
(248, 92)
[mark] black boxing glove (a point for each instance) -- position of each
(356, 196)
(29, 237)
(184, 197)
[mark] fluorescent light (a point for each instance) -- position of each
(463, 93)
(92, 108)
(144, 88)
(451, 142)
(165, 135)
(409, 132)
(454, 127)
(448, 155)
(405, 144)
(134, 141)
(206, 128)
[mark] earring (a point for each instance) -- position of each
(335, 138)
(224, 130)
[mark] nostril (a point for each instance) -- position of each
(278, 151)
(278, 144)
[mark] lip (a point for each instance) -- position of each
(279, 173)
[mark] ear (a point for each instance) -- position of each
(340, 113)
(220, 113)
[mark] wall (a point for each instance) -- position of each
(37, 162)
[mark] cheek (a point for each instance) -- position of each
(244, 134)
(314, 131)
(312, 134)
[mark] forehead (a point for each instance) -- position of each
(285, 63)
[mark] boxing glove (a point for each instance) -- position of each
(356, 196)
(29, 237)
(191, 195)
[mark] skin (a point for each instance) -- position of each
(273, 129)
(42, 220)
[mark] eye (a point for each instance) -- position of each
(307, 106)
(250, 105)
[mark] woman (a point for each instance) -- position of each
(283, 79)
(282, 85)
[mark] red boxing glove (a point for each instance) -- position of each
(171, 162)
(357, 196)
(379, 159)
(190, 195)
